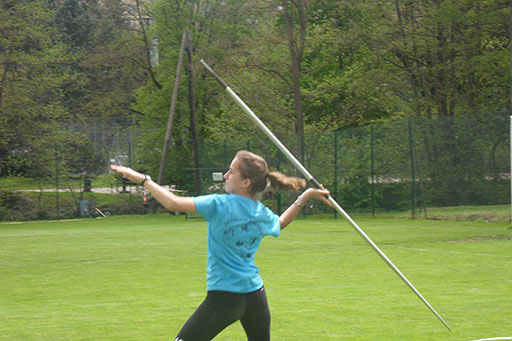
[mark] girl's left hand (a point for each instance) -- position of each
(320, 194)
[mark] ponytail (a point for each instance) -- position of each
(255, 168)
(287, 183)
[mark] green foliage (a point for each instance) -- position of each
(375, 61)
(74, 63)
(30, 84)
(345, 85)
(75, 24)
(61, 64)
(38, 205)
(215, 29)
(13, 206)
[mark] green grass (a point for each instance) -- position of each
(100, 198)
(487, 213)
(23, 183)
(19, 182)
(140, 277)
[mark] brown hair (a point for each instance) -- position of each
(255, 168)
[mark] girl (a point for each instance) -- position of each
(237, 222)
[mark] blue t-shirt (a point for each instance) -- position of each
(236, 226)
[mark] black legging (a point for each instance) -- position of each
(220, 309)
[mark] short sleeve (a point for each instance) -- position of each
(274, 228)
(207, 206)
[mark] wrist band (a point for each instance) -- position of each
(146, 177)
(144, 194)
(299, 202)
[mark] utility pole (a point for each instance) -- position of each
(193, 117)
(172, 111)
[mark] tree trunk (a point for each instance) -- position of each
(147, 45)
(2, 84)
(193, 117)
(296, 47)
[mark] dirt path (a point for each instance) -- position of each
(104, 190)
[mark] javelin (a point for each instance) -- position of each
(310, 178)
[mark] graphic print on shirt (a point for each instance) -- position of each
(242, 236)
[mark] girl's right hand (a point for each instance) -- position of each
(128, 173)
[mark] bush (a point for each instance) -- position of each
(15, 206)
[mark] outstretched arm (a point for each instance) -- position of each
(292, 211)
(167, 199)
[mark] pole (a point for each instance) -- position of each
(189, 69)
(372, 139)
(279, 193)
(310, 178)
(413, 171)
(57, 182)
(420, 175)
(335, 169)
(172, 110)
(510, 53)
(510, 106)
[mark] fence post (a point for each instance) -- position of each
(302, 148)
(278, 193)
(372, 138)
(420, 175)
(57, 182)
(413, 171)
(336, 170)
(225, 154)
(303, 158)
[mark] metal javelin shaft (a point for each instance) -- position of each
(310, 178)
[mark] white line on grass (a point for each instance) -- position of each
(496, 338)
(454, 252)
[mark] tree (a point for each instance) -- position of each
(439, 49)
(75, 24)
(342, 82)
(296, 35)
(30, 93)
(215, 30)
(61, 64)
(141, 15)
(112, 68)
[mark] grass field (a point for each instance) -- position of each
(140, 277)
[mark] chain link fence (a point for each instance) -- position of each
(403, 165)
(407, 165)
(65, 172)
